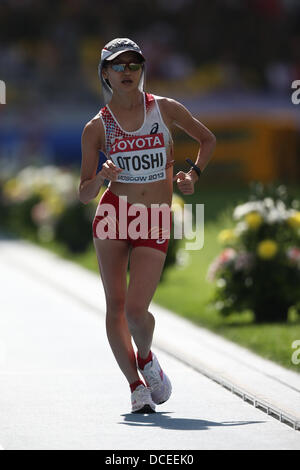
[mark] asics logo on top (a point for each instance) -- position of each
(154, 128)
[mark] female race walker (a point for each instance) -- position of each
(134, 131)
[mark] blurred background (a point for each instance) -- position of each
(232, 64)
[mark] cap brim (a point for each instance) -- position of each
(116, 54)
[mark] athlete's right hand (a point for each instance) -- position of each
(110, 171)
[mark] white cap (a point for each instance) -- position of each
(109, 52)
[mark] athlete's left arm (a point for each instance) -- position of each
(178, 115)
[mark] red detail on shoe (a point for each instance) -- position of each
(142, 362)
(135, 384)
(161, 374)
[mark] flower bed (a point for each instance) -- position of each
(259, 267)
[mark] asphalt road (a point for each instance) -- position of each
(61, 388)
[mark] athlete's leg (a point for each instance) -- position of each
(112, 258)
(146, 265)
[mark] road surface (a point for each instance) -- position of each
(61, 388)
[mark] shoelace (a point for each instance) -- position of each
(141, 392)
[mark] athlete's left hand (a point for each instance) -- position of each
(184, 182)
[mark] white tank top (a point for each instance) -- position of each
(141, 154)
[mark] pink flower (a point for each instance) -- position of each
(225, 257)
(293, 254)
(243, 261)
(40, 213)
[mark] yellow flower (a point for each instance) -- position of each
(55, 204)
(253, 220)
(294, 220)
(227, 236)
(43, 190)
(12, 188)
(267, 249)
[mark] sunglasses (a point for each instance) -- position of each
(121, 67)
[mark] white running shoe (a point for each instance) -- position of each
(141, 400)
(158, 382)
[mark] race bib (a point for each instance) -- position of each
(142, 158)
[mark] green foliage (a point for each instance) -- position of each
(259, 267)
(73, 228)
(19, 216)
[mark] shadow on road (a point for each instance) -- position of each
(162, 420)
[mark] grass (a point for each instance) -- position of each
(185, 290)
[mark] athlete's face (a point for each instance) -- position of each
(127, 79)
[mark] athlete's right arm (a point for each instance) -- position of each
(92, 141)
